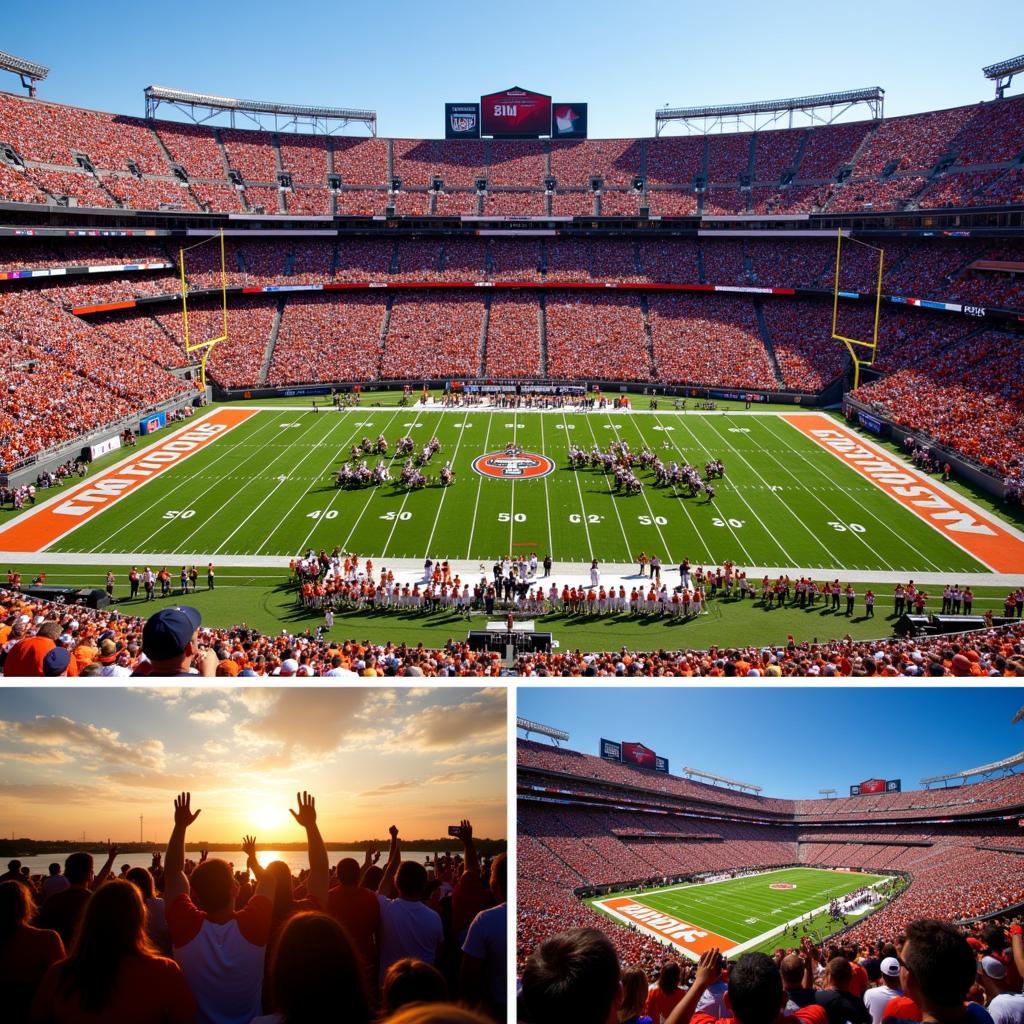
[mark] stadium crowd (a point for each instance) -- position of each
(181, 941)
(109, 642)
(933, 971)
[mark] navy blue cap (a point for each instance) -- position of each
(167, 633)
(56, 661)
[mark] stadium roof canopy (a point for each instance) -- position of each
(28, 72)
(541, 730)
(823, 108)
(201, 107)
(720, 780)
(1004, 767)
(1003, 72)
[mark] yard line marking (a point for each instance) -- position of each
(337, 490)
(233, 497)
(547, 501)
(615, 504)
(315, 480)
(817, 540)
(683, 502)
(725, 519)
(444, 493)
(998, 547)
(512, 506)
(55, 518)
(739, 494)
(174, 490)
(579, 490)
(359, 518)
(654, 518)
(479, 484)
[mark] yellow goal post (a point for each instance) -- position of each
(206, 345)
(862, 351)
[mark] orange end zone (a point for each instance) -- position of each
(979, 535)
(59, 515)
(665, 926)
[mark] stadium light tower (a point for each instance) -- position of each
(541, 730)
(1003, 72)
(28, 72)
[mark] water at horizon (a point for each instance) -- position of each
(297, 860)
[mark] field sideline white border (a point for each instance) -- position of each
(735, 950)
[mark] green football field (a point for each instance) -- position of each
(737, 914)
(266, 489)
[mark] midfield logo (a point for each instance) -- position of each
(515, 465)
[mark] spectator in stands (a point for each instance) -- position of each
(485, 951)
(938, 971)
(755, 994)
(572, 977)
(112, 973)
(841, 1005)
(1004, 1003)
(410, 981)
(25, 952)
(666, 993)
(63, 911)
(315, 974)
(876, 999)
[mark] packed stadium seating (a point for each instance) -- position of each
(955, 870)
(890, 161)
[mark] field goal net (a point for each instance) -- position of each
(862, 276)
(204, 345)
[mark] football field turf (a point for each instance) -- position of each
(735, 914)
(265, 488)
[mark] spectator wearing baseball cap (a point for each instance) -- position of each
(1005, 1006)
(56, 662)
(170, 644)
(876, 999)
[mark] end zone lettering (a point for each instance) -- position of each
(53, 519)
(152, 462)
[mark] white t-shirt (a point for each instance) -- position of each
(875, 999)
(487, 940)
(1007, 1008)
(407, 928)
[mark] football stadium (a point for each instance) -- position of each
(513, 395)
(670, 862)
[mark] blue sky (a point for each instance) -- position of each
(95, 759)
(795, 741)
(405, 59)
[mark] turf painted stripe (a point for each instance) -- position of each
(969, 528)
(665, 926)
(48, 523)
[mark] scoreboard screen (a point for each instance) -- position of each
(515, 113)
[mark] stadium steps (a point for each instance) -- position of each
(648, 335)
(701, 276)
(542, 330)
(766, 337)
(859, 151)
(394, 265)
(638, 264)
(385, 326)
(390, 149)
(485, 323)
(330, 170)
(799, 156)
(544, 257)
(163, 149)
(268, 355)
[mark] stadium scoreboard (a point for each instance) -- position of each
(515, 113)
(869, 786)
(633, 753)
